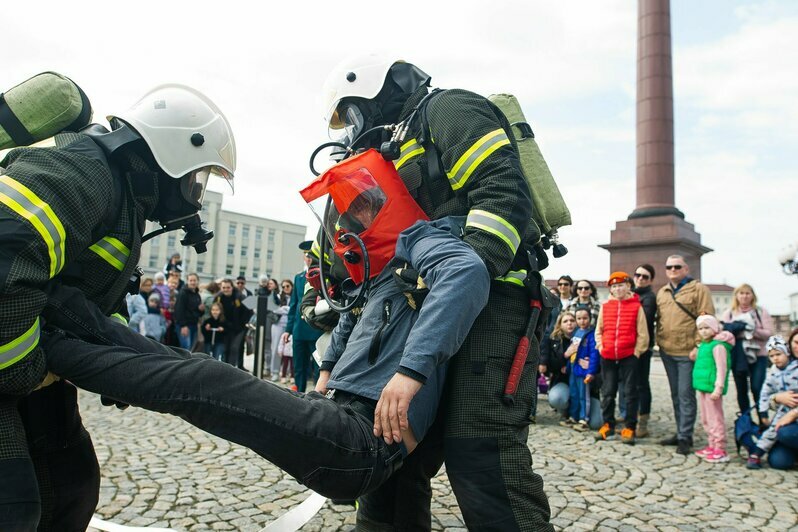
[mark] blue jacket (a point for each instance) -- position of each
(299, 328)
(390, 337)
(587, 351)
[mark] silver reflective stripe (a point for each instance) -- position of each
(473, 157)
(28, 205)
(409, 149)
(17, 349)
(112, 251)
(495, 225)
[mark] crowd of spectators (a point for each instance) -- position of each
(212, 317)
(596, 356)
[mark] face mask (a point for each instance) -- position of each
(368, 199)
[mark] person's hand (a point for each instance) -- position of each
(390, 415)
(788, 399)
(571, 350)
(589, 379)
(584, 363)
(693, 354)
(284, 338)
(542, 369)
(184, 331)
(715, 395)
(563, 370)
(321, 384)
(201, 307)
(207, 326)
(764, 422)
(787, 419)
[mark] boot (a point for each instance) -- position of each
(642, 426)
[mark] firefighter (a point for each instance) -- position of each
(478, 175)
(72, 213)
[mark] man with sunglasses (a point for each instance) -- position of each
(679, 303)
(643, 277)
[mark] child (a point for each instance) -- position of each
(783, 377)
(584, 366)
(213, 331)
(711, 379)
(621, 337)
(154, 324)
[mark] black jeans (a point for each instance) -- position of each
(756, 374)
(621, 372)
(327, 445)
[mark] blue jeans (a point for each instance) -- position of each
(579, 402)
(784, 454)
(187, 342)
(304, 366)
(216, 350)
(756, 374)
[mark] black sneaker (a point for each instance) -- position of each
(683, 447)
(673, 440)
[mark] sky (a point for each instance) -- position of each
(571, 64)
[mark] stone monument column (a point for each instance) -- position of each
(656, 228)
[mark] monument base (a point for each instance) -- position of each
(651, 239)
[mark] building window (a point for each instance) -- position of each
(258, 233)
(257, 254)
(233, 229)
(230, 249)
(244, 250)
(200, 265)
(271, 236)
(228, 270)
(170, 244)
(268, 254)
(245, 231)
(153, 261)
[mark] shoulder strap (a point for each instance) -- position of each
(434, 164)
(684, 309)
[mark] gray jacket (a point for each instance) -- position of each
(391, 337)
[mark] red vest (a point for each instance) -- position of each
(620, 328)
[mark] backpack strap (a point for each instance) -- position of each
(434, 164)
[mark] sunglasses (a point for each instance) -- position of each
(563, 284)
(643, 276)
(583, 288)
(673, 267)
(286, 286)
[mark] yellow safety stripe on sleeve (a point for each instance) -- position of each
(28, 205)
(118, 317)
(409, 149)
(112, 251)
(495, 225)
(19, 347)
(473, 157)
(514, 277)
(315, 249)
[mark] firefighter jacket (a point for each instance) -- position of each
(481, 176)
(64, 218)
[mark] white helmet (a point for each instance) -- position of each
(185, 131)
(360, 76)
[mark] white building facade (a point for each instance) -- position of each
(242, 245)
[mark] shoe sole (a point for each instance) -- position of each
(723, 460)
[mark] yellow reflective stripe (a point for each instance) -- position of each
(514, 277)
(118, 317)
(495, 225)
(112, 251)
(19, 347)
(28, 205)
(409, 149)
(473, 157)
(315, 249)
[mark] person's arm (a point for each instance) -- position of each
(720, 355)
(764, 325)
(181, 312)
(599, 328)
(293, 302)
(768, 390)
(594, 360)
(480, 162)
(705, 304)
(641, 344)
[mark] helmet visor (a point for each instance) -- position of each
(193, 185)
(346, 124)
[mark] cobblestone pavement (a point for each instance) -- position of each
(159, 471)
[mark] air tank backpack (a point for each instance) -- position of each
(550, 212)
(40, 107)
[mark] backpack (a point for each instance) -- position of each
(40, 107)
(746, 432)
(550, 211)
